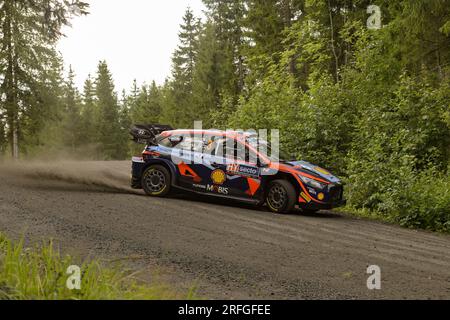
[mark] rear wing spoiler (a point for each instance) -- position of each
(146, 133)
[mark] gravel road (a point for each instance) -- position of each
(230, 251)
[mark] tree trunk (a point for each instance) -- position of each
(15, 148)
(333, 45)
(10, 84)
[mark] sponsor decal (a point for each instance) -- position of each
(321, 196)
(253, 185)
(218, 177)
(243, 170)
(199, 186)
(187, 171)
(306, 197)
(312, 191)
(217, 189)
(322, 171)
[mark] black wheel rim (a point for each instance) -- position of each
(155, 181)
(277, 197)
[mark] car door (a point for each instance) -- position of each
(187, 156)
(233, 173)
(210, 169)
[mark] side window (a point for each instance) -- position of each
(191, 143)
(225, 147)
(165, 142)
(243, 153)
(210, 144)
(232, 149)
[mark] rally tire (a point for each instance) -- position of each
(156, 181)
(281, 197)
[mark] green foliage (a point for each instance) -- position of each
(39, 273)
(111, 137)
(422, 202)
(89, 113)
(71, 120)
(179, 111)
(145, 106)
(41, 122)
(28, 60)
(400, 144)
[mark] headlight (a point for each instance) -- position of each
(313, 183)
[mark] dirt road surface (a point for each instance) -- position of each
(228, 251)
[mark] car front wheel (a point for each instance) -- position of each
(281, 196)
(156, 181)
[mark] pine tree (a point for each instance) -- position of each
(134, 93)
(125, 111)
(129, 103)
(89, 112)
(265, 23)
(111, 137)
(29, 32)
(228, 18)
(41, 120)
(180, 112)
(154, 103)
(147, 105)
(72, 122)
(169, 108)
(184, 56)
(221, 66)
(211, 75)
(126, 123)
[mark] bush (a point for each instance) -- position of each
(423, 203)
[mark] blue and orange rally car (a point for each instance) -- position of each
(228, 165)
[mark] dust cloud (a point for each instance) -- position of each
(106, 175)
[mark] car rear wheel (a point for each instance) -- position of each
(281, 196)
(156, 181)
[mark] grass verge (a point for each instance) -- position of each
(40, 273)
(377, 216)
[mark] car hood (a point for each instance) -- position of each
(306, 167)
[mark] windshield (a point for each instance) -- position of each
(265, 148)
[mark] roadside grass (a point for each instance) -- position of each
(365, 213)
(40, 273)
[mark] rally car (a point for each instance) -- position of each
(229, 165)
